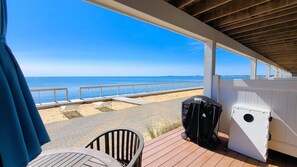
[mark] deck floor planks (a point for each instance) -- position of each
(161, 152)
(262, 164)
(239, 161)
(215, 159)
(227, 159)
(191, 157)
(180, 156)
(168, 143)
(202, 159)
(171, 150)
(171, 154)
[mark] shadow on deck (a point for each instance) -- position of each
(171, 150)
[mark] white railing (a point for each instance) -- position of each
(43, 95)
(52, 91)
(111, 90)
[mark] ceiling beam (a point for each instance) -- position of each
(289, 63)
(269, 24)
(290, 40)
(279, 48)
(257, 20)
(183, 3)
(204, 6)
(280, 54)
(291, 66)
(233, 7)
(283, 36)
(269, 53)
(278, 33)
(265, 29)
(251, 13)
(272, 50)
(284, 59)
(163, 14)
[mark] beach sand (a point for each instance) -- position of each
(54, 114)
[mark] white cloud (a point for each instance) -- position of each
(197, 46)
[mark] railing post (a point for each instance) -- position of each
(146, 88)
(80, 93)
(55, 98)
(110, 91)
(133, 89)
(118, 89)
(100, 91)
(67, 97)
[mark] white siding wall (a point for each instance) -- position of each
(279, 96)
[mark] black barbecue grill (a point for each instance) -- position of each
(200, 116)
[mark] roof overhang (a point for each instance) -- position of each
(161, 13)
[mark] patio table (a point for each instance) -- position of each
(74, 157)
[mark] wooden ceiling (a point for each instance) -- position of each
(268, 27)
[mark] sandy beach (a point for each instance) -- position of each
(54, 114)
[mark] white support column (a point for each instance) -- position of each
(281, 73)
(253, 71)
(276, 72)
(268, 69)
(209, 66)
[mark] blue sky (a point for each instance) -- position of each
(75, 38)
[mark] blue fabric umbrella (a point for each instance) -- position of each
(22, 131)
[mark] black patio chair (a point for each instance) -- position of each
(124, 145)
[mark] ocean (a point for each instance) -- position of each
(73, 84)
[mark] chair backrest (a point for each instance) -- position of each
(125, 145)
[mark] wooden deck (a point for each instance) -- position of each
(171, 150)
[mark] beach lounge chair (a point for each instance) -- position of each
(125, 145)
(70, 111)
(102, 105)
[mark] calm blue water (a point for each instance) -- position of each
(73, 84)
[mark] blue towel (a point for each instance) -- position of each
(22, 131)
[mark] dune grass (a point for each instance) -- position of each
(162, 127)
